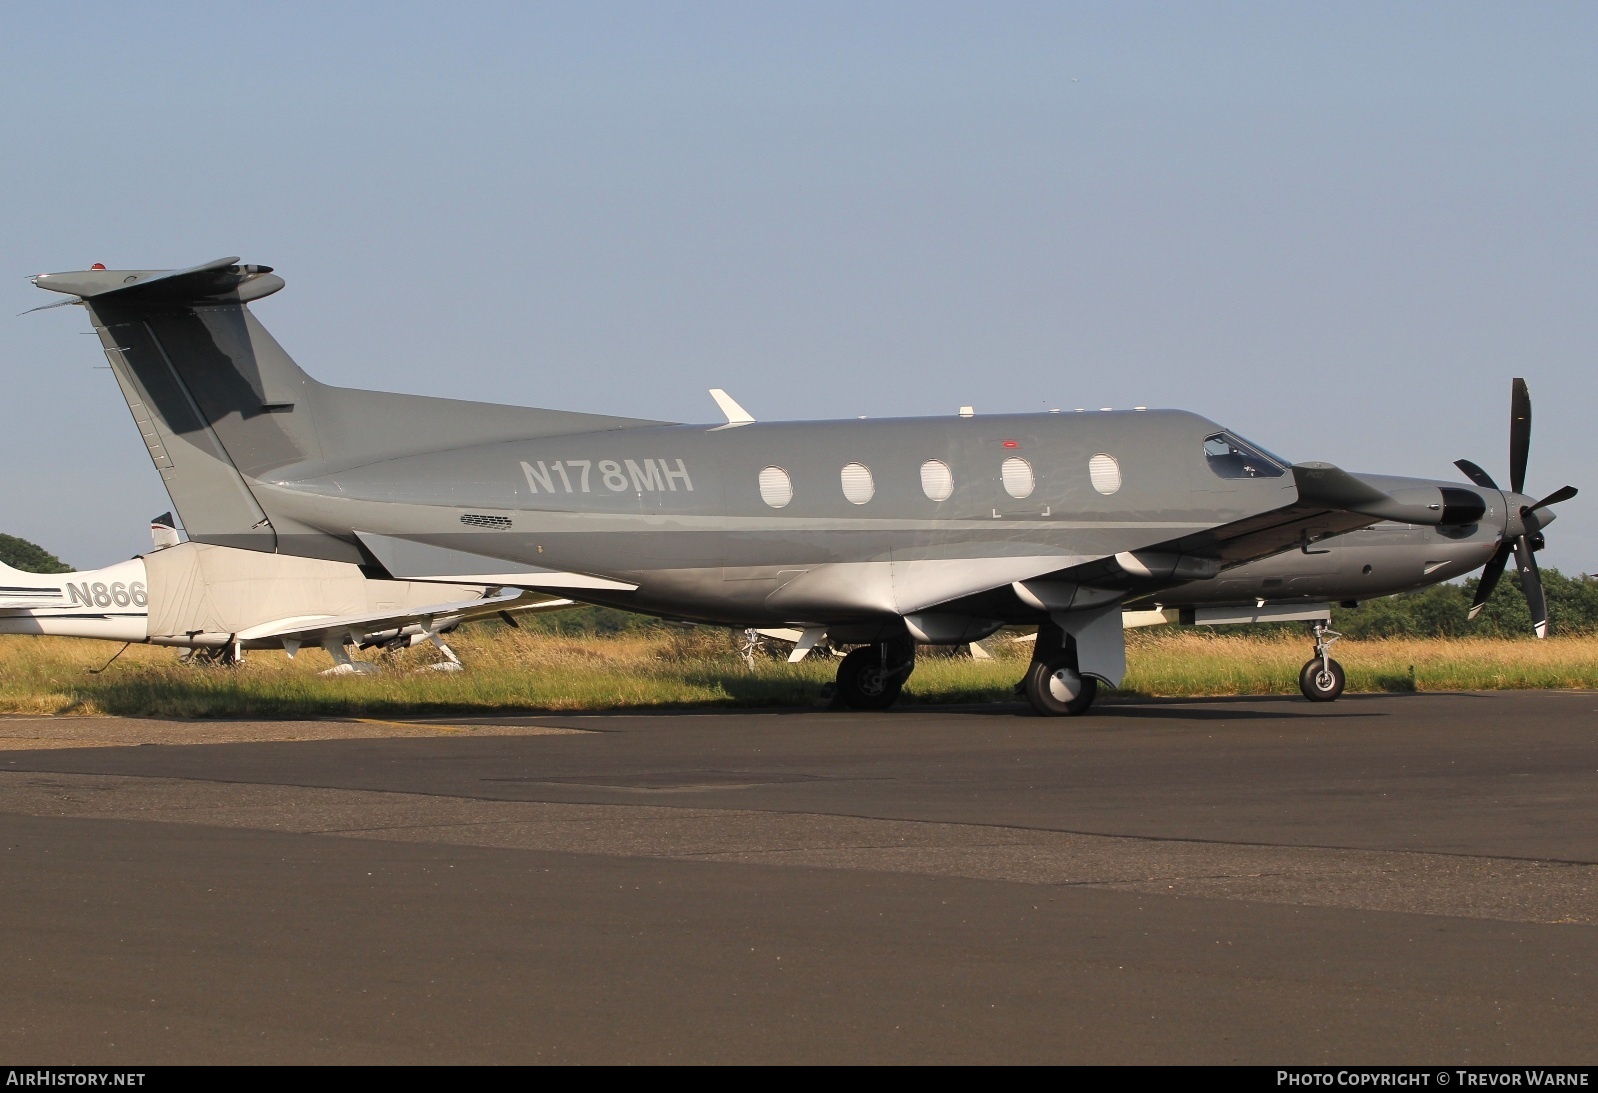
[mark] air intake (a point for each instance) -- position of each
(498, 523)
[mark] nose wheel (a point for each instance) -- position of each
(1322, 679)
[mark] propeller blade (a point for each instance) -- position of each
(1476, 474)
(1490, 573)
(1564, 493)
(1519, 434)
(1531, 583)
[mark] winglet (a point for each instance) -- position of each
(736, 415)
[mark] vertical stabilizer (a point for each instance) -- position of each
(181, 345)
(223, 410)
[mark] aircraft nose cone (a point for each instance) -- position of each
(1514, 523)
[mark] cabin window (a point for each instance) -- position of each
(1230, 457)
(937, 481)
(1104, 471)
(776, 488)
(1016, 473)
(857, 484)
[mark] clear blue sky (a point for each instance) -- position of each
(1338, 228)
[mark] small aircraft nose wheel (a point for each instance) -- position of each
(1322, 679)
(1056, 689)
(871, 677)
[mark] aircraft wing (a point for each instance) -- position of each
(311, 629)
(1328, 503)
(1234, 544)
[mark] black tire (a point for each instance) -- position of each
(1055, 689)
(1320, 684)
(864, 684)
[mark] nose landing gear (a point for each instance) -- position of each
(1322, 678)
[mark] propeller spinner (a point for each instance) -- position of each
(1523, 528)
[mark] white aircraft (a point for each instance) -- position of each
(217, 602)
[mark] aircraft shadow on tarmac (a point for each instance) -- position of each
(1186, 712)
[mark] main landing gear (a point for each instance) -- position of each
(1321, 678)
(871, 677)
(1052, 684)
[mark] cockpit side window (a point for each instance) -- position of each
(1230, 457)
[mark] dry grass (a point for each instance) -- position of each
(1183, 663)
(523, 671)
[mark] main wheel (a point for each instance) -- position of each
(863, 682)
(1321, 682)
(1056, 689)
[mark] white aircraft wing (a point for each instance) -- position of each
(310, 629)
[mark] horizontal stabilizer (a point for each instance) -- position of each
(406, 559)
(223, 278)
(310, 629)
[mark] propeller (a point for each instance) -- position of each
(1523, 536)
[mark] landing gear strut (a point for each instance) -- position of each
(1053, 685)
(750, 646)
(1321, 678)
(871, 677)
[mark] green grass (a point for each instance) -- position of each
(523, 671)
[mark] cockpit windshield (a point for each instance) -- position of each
(1230, 457)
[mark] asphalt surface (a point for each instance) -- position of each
(1387, 879)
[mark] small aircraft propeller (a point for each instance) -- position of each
(1522, 537)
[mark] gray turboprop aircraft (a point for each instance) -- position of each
(883, 534)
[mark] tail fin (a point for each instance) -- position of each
(164, 532)
(220, 405)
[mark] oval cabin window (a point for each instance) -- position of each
(937, 481)
(776, 488)
(857, 484)
(1105, 473)
(1017, 476)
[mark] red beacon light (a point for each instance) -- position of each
(98, 265)
(1011, 444)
